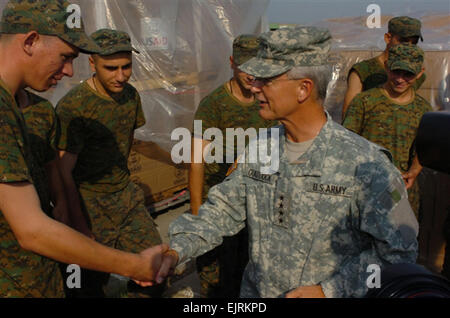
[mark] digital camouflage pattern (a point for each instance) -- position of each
(245, 47)
(374, 116)
(372, 74)
(121, 220)
(321, 220)
(406, 57)
(47, 17)
(222, 110)
(282, 49)
(112, 41)
(22, 273)
(405, 27)
(100, 130)
(43, 128)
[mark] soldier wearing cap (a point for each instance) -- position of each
(372, 73)
(98, 119)
(328, 205)
(231, 105)
(36, 50)
(390, 115)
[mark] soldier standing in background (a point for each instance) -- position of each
(232, 105)
(98, 119)
(390, 115)
(372, 73)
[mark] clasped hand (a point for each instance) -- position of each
(162, 261)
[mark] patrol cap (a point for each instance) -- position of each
(245, 47)
(47, 17)
(282, 49)
(407, 57)
(112, 41)
(405, 27)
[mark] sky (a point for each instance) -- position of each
(310, 11)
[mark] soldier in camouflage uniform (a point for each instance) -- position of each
(390, 115)
(372, 73)
(37, 50)
(232, 105)
(329, 204)
(98, 119)
(43, 129)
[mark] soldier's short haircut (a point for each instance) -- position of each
(319, 74)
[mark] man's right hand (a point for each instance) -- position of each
(152, 260)
(169, 262)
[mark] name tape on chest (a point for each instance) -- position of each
(256, 175)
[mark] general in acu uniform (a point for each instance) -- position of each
(330, 205)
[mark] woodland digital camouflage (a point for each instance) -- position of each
(406, 57)
(393, 126)
(22, 273)
(221, 110)
(121, 220)
(405, 27)
(47, 17)
(321, 220)
(372, 74)
(245, 47)
(112, 41)
(43, 128)
(283, 49)
(99, 129)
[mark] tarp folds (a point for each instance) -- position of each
(184, 45)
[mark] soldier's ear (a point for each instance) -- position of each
(387, 38)
(29, 42)
(232, 65)
(92, 63)
(421, 73)
(304, 89)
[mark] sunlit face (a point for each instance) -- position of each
(52, 60)
(277, 96)
(400, 81)
(112, 71)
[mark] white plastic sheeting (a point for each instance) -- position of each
(184, 45)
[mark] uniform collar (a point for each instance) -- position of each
(311, 162)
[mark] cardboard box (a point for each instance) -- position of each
(153, 170)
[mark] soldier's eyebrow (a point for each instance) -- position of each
(71, 55)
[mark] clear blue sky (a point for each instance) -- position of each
(310, 11)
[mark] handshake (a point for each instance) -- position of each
(159, 262)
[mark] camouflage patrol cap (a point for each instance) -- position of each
(47, 17)
(112, 41)
(281, 50)
(407, 57)
(245, 47)
(405, 27)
